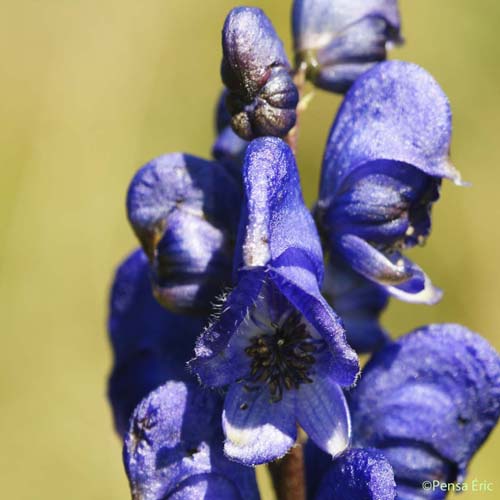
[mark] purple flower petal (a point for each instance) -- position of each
(401, 114)
(220, 358)
(341, 363)
(130, 381)
(323, 413)
(257, 430)
(418, 289)
(206, 486)
(371, 263)
(275, 219)
(137, 322)
(384, 202)
(316, 22)
(401, 278)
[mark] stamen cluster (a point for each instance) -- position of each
(282, 359)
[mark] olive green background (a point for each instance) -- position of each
(90, 90)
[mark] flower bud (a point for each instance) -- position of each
(261, 94)
(338, 40)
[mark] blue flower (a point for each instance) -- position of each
(359, 302)
(261, 94)
(385, 157)
(173, 449)
(360, 474)
(338, 40)
(276, 343)
(185, 211)
(428, 402)
(150, 345)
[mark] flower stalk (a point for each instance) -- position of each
(288, 475)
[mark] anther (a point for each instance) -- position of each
(283, 360)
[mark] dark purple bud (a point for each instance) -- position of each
(338, 40)
(261, 94)
(428, 402)
(185, 210)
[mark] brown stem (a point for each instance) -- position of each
(288, 475)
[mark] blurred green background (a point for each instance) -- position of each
(91, 90)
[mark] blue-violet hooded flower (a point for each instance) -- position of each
(338, 40)
(276, 343)
(150, 344)
(261, 94)
(384, 160)
(185, 212)
(173, 449)
(428, 402)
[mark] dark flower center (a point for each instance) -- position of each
(282, 359)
